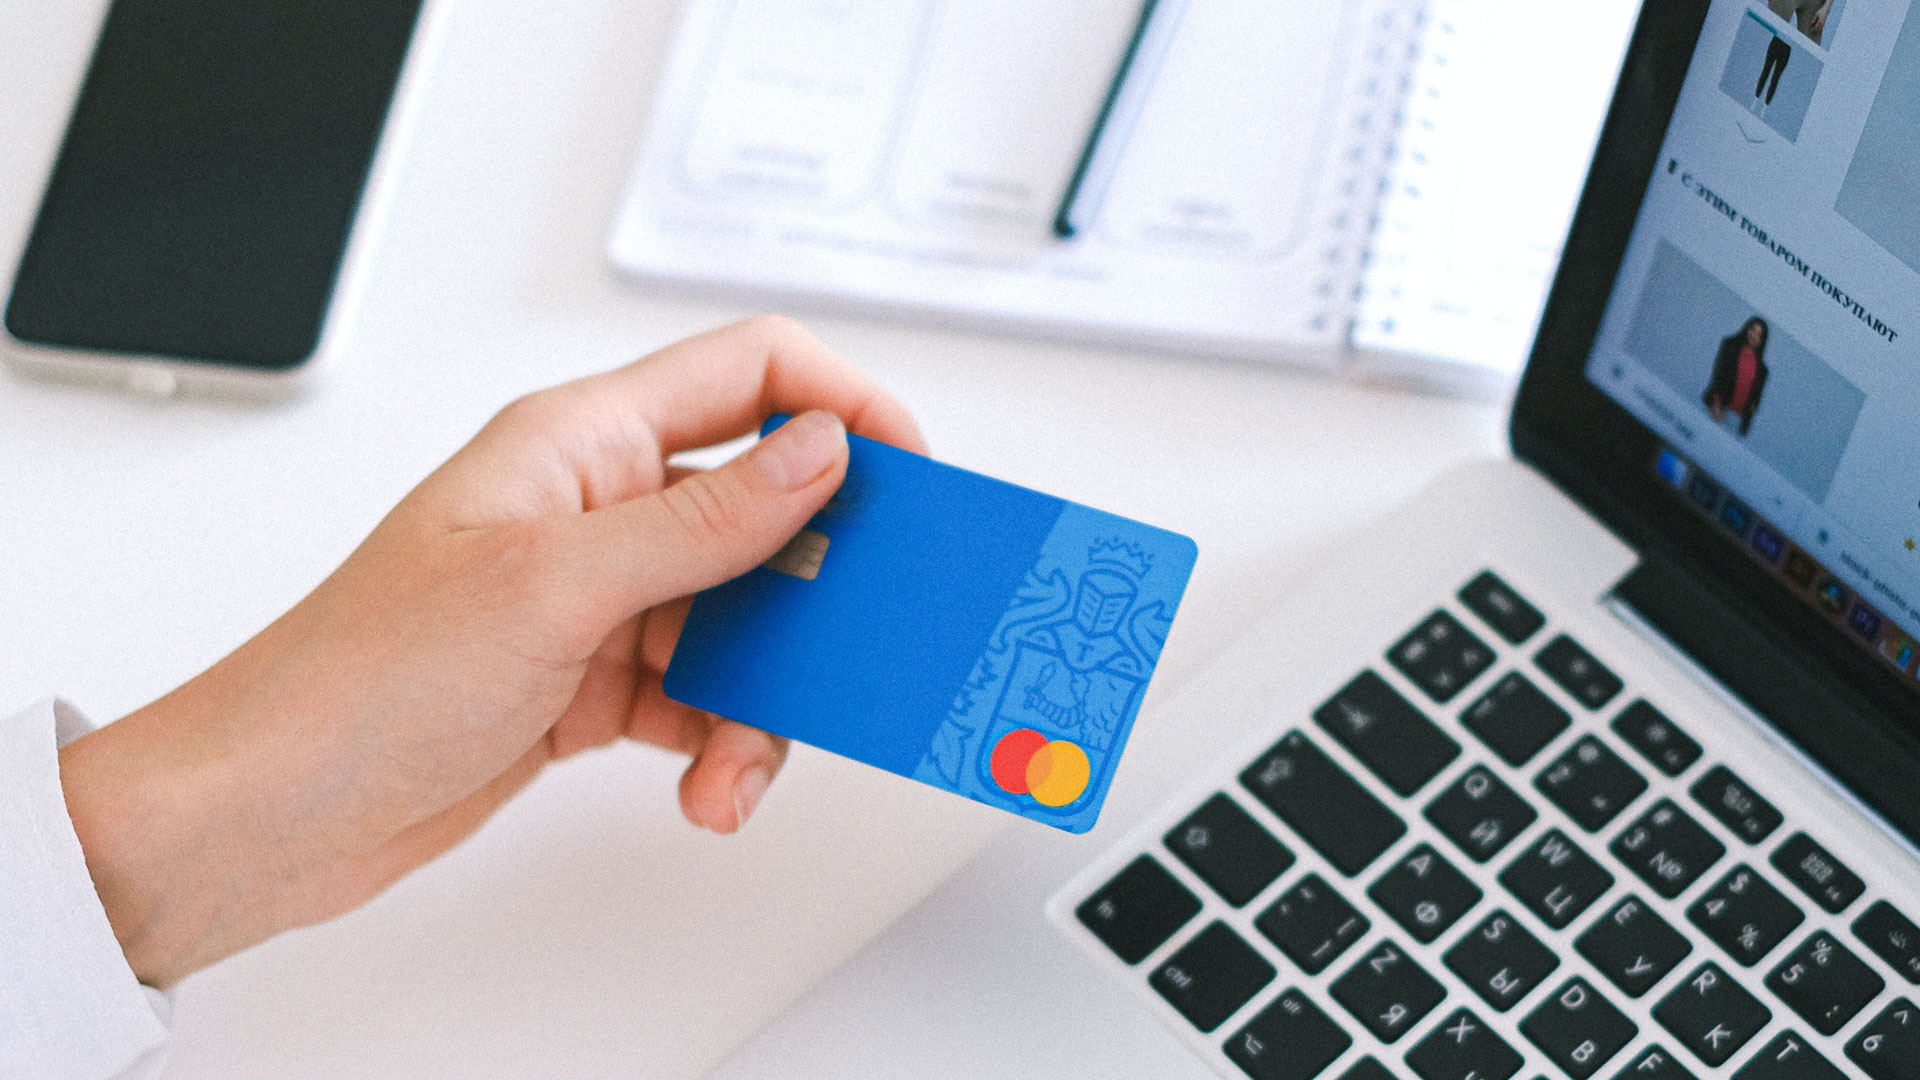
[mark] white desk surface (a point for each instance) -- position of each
(588, 931)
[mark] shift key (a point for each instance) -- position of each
(1326, 806)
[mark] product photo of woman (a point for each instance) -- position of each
(1739, 374)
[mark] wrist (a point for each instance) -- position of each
(142, 809)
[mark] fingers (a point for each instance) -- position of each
(660, 632)
(602, 702)
(661, 721)
(732, 763)
(603, 439)
(720, 790)
(615, 562)
(721, 384)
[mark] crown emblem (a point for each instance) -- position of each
(1120, 555)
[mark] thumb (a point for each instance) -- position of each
(710, 526)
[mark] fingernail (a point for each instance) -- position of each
(801, 449)
(747, 792)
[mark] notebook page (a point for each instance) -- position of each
(1505, 107)
(910, 154)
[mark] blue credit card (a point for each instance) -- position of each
(969, 633)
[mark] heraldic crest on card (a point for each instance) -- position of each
(1069, 659)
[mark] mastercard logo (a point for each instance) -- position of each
(1053, 771)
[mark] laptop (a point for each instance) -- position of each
(1601, 761)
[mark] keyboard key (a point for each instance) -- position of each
(1579, 1029)
(1788, 1057)
(1817, 873)
(1229, 850)
(1211, 976)
(1480, 813)
(1647, 730)
(1515, 719)
(1888, 1048)
(1711, 1015)
(1367, 1068)
(1654, 1063)
(1824, 983)
(1728, 798)
(1590, 783)
(1441, 656)
(1667, 849)
(1424, 893)
(1633, 946)
(1391, 737)
(1328, 808)
(1312, 924)
(1556, 880)
(1501, 608)
(1892, 937)
(1501, 961)
(1463, 1048)
(1291, 1039)
(1387, 992)
(1577, 672)
(1138, 910)
(1744, 915)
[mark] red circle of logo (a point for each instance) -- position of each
(1011, 754)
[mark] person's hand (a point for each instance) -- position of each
(517, 607)
(1817, 24)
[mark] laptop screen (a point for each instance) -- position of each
(1764, 323)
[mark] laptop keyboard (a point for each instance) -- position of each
(1508, 862)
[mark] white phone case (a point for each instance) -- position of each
(167, 376)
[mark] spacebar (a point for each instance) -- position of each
(1327, 807)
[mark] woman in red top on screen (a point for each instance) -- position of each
(1739, 373)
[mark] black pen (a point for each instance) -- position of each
(1125, 98)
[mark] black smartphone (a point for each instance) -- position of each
(198, 228)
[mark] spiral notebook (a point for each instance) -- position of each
(1367, 186)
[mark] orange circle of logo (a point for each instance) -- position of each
(1057, 773)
